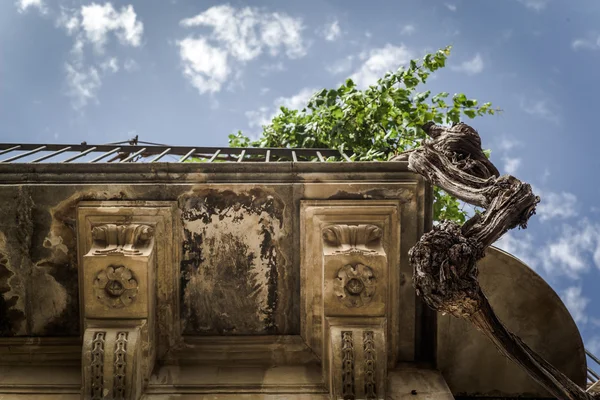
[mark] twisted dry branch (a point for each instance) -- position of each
(445, 260)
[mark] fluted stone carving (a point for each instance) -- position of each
(111, 363)
(353, 238)
(131, 239)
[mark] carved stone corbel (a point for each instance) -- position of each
(111, 363)
(118, 285)
(357, 358)
(355, 290)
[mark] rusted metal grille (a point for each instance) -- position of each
(152, 153)
(592, 375)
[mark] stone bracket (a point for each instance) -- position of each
(119, 295)
(111, 363)
(357, 365)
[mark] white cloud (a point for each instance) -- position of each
(97, 21)
(24, 5)
(536, 5)
(507, 144)
(408, 30)
(238, 36)
(520, 245)
(511, 165)
(270, 68)
(205, 66)
(264, 115)
(379, 61)
(451, 7)
(92, 25)
(556, 205)
(586, 44)
(245, 33)
(593, 345)
(570, 253)
(575, 303)
(341, 66)
(83, 84)
(541, 109)
(131, 65)
(332, 31)
(472, 66)
(110, 65)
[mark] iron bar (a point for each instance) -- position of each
(161, 155)
(268, 156)
(345, 156)
(593, 357)
(47, 156)
(241, 157)
(320, 156)
(10, 149)
(214, 155)
(108, 153)
(294, 157)
(137, 153)
(594, 374)
(187, 155)
(75, 157)
(23, 154)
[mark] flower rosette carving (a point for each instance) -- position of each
(355, 285)
(115, 286)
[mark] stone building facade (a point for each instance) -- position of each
(253, 280)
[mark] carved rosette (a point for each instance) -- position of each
(355, 285)
(115, 286)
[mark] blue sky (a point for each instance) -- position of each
(192, 72)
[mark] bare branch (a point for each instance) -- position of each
(445, 259)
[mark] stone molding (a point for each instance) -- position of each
(362, 238)
(126, 239)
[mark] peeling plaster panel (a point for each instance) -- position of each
(38, 282)
(236, 253)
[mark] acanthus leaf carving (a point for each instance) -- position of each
(131, 239)
(353, 238)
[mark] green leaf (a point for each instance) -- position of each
(375, 123)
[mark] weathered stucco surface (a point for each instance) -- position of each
(236, 252)
(239, 239)
(238, 231)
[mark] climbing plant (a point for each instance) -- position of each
(375, 123)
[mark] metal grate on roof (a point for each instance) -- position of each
(592, 376)
(141, 152)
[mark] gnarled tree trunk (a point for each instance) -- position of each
(445, 259)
